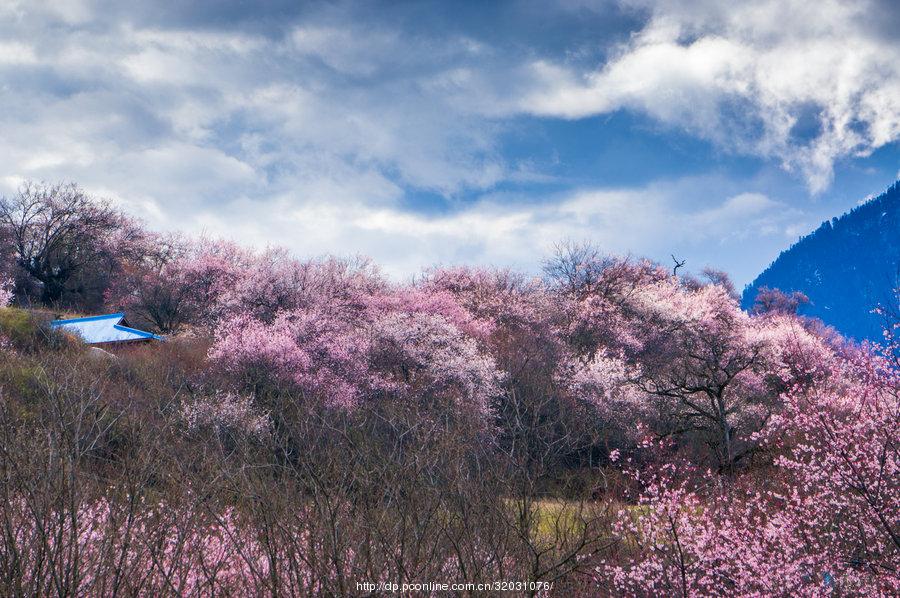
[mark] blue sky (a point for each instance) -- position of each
(424, 133)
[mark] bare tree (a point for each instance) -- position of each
(720, 278)
(678, 264)
(777, 301)
(56, 231)
(577, 266)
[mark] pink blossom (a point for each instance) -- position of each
(6, 292)
(225, 411)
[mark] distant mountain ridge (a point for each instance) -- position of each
(847, 267)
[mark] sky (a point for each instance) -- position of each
(441, 133)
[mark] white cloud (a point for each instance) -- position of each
(168, 116)
(16, 53)
(750, 76)
(655, 220)
(317, 133)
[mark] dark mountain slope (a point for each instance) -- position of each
(847, 267)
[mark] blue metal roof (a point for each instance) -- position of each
(103, 329)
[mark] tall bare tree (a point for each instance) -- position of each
(57, 232)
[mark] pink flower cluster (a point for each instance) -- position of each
(6, 292)
(207, 281)
(344, 358)
(823, 519)
(313, 352)
(225, 412)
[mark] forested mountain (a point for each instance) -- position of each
(846, 267)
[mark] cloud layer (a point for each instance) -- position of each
(806, 83)
(384, 130)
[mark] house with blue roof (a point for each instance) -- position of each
(106, 329)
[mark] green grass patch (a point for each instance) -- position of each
(17, 325)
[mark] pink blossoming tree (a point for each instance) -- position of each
(824, 518)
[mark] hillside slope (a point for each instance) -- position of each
(846, 267)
